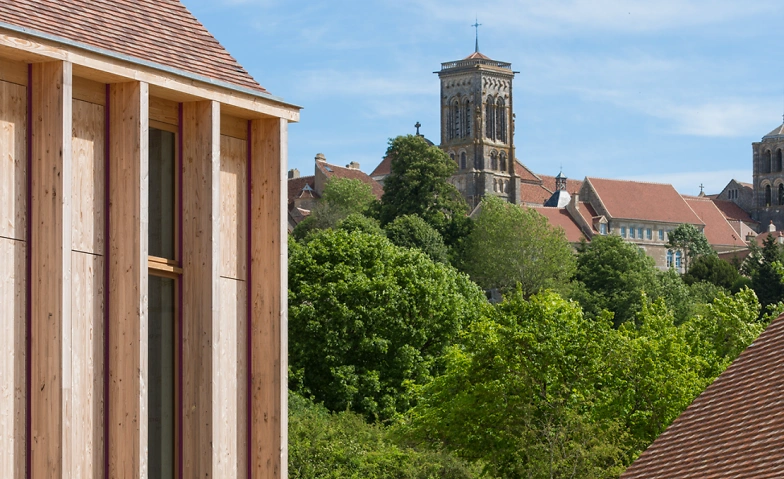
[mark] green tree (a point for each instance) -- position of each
(411, 231)
(764, 267)
(612, 275)
(326, 445)
(368, 321)
(341, 198)
(712, 269)
(511, 245)
(687, 238)
(418, 184)
(520, 394)
(359, 222)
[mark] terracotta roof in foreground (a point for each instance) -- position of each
(534, 194)
(643, 201)
(559, 217)
(735, 428)
(158, 31)
(717, 230)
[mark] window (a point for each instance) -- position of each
(767, 195)
(164, 271)
(463, 160)
(631, 232)
(669, 258)
(781, 194)
(778, 160)
(500, 113)
(490, 118)
(467, 119)
(456, 119)
(639, 233)
(766, 160)
(661, 235)
(649, 234)
(502, 158)
(494, 160)
(678, 260)
(623, 232)
(602, 228)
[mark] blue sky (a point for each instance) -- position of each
(670, 91)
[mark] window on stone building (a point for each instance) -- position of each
(467, 118)
(639, 233)
(781, 194)
(503, 161)
(452, 155)
(623, 232)
(661, 235)
(495, 185)
(602, 228)
(501, 120)
(456, 119)
(631, 232)
(649, 234)
(778, 160)
(669, 258)
(494, 160)
(463, 160)
(490, 118)
(678, 260)
(768, 195)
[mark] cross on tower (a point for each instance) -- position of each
(417, 125)
(477, 25)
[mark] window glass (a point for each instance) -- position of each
(639, 233)
(161, 377)
(669, 258)
(649, 233)
(678, 260)
(623, 232)
(661, 235)
(602, 228)
(631, 232)
(161, 194)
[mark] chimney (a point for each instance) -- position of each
(771, 227)
(353, 165)
(293, 173)
(321, 158)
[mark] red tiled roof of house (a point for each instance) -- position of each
(384, 168)
(534, 194)
(163, 32)
(559, 217)
(643, 201)
(587, 212)
(334, 171)
(732, 211)
(296, 185)
(477, 56)
(760, 238)
(572, 186)
(735, 428)
(717, 230)
(525, 174)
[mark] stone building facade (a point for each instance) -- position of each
(768, 201)
(477, 126)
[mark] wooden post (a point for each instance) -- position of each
(268, 293)
(13, 284)
(50, 263)
(127, 259)
(200, 259)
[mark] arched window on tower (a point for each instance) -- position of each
(781, 194)
(494, 160)
(490, 118)
(767, 195)
(778, 160)
(495, 185)
(462, 160)
(766, 162)
(467, 118)
(452, 155)
(456, 119)
(502, 158)
(500, 114)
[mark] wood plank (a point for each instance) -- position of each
(50, 260)
(13, 160)
(98, 68)
(268, 250)
(234, 127)
(200, 258)
(84, 439)
(12, 362)
(164, 111)
(128, 275)
(230, 408)
(89, 91)
(13, 71)
(88, 177)
(234, 208)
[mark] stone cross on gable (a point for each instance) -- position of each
(417, 125)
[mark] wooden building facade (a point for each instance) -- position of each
(142, 250)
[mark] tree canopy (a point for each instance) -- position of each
(368, 321)
(511, 245)
(341, 198)
(411, 231)
(687, 238)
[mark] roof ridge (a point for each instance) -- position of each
(633, 181)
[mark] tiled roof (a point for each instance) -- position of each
(159, 31)
(746, 185)
(384, 168)
(560, 217)
(525, 174)
(731, 211)
(760, 238)
(735, 428)
(477, 56)
(334, 171)
(643, 201)
(534, 194)
(296, 185)
(572, 186)
(778, 131)
(717, 230)
(588, 213)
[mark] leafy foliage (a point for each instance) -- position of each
(325, 445)
(512, 245)
(341, 198)
(411, 231)
(764, 267)
(368, 321)
(361, 223)
(687, 238)
(418, 184)
(712, 269)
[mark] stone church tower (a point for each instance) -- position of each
(477, 126)
(769, 179)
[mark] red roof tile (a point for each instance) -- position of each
(158, 31)
(559, 217)
(760, 238)
(643, 201)
(735, 428)
(334, 171)
(384, 168)
(732, 211)
(588, 213)
(534, 194)
(477, 56)
(572, 186)
(525, 174)
(296, 185)
(717, 230)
